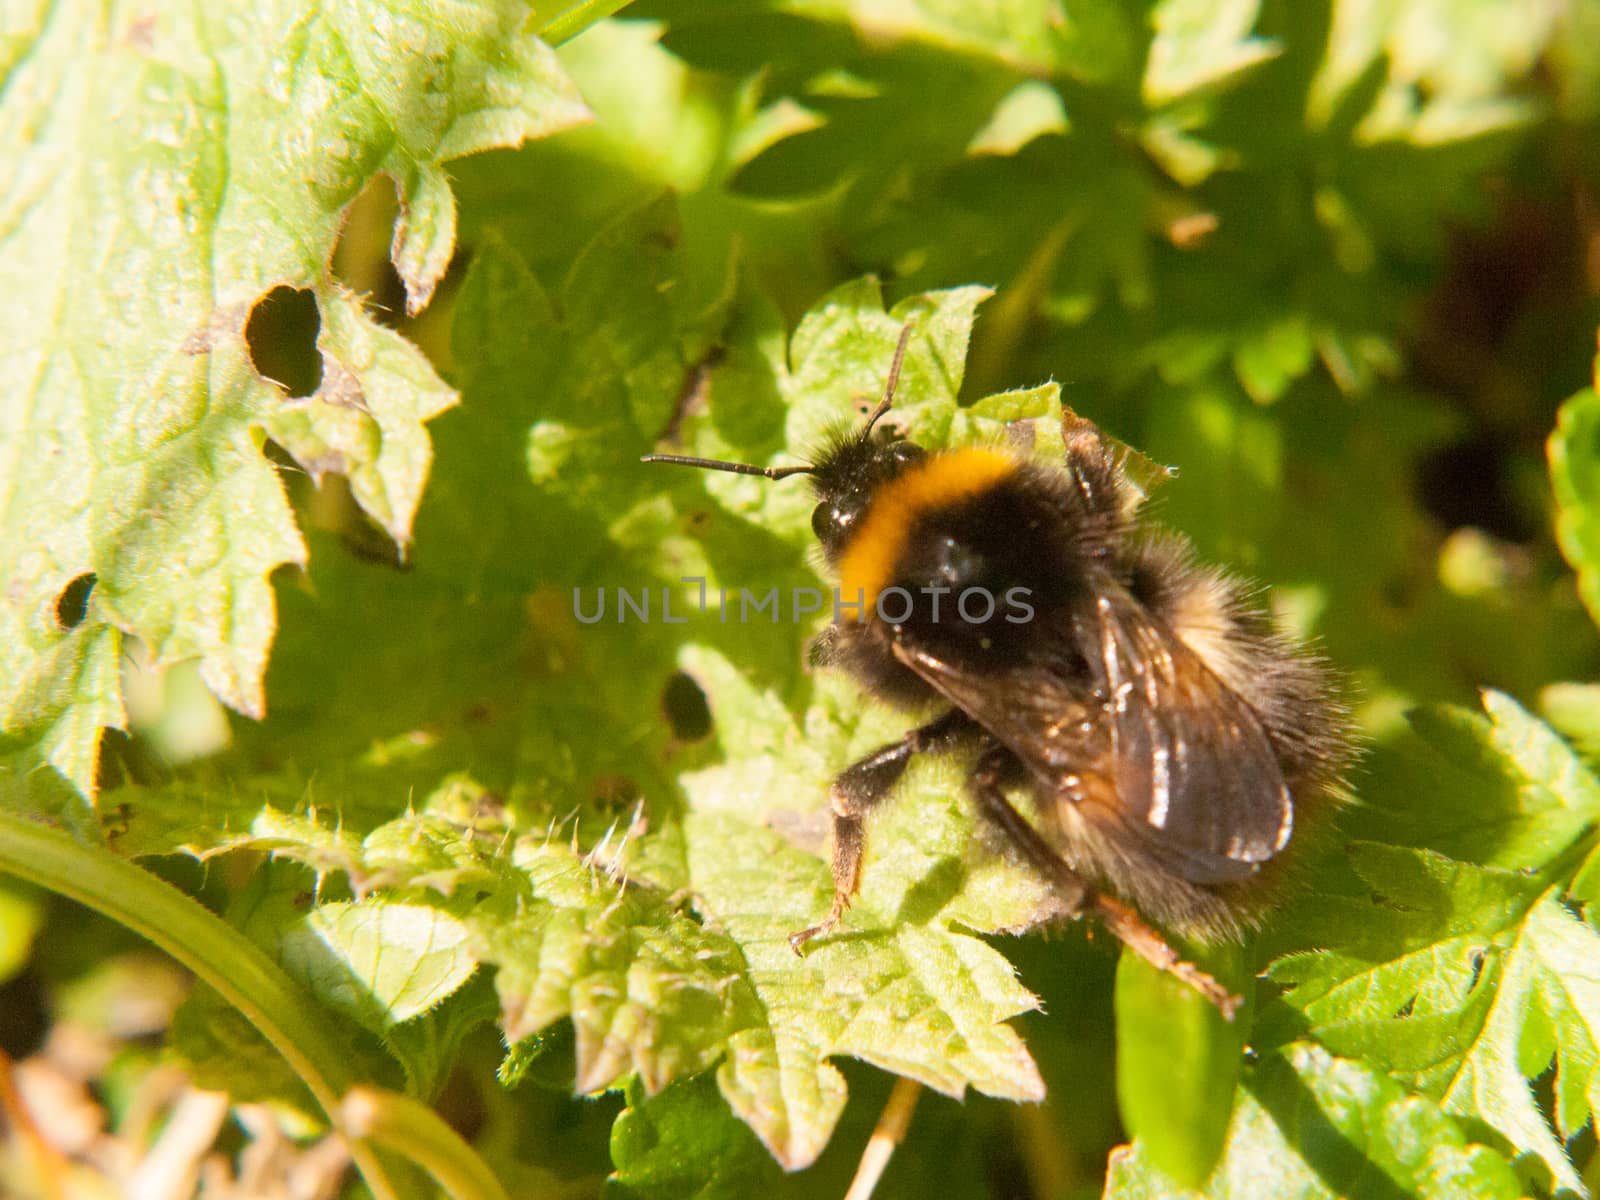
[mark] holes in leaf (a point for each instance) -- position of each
(686, 708)
(72, 605)
(282, 336)
(361, 258)
(362, 262)
(1477, 961)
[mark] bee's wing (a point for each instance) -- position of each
(1148, 738)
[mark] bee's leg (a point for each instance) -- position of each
(1132, 930)
(1138, 935)
(859, 789)
(998, 766)
(1103, 487)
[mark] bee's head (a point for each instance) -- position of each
(846, 475)
(845, 480)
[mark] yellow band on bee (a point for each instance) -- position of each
(868, 563)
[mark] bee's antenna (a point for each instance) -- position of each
(894, 380)
(715, 464)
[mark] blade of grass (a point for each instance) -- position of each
(216, 952)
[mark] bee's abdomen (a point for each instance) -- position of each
(1293, 691)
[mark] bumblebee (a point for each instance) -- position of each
(1175, 742)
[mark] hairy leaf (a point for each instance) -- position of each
(167, 172)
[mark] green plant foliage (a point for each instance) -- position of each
(658, 1153)
(1574, 453)
(1480, 975)
(1309, 1125)
(1178, 1062)
(660, 933)
(522, 779)
(134, 415)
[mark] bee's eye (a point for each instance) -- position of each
(822, 521)
(831, 522)
(905, 453)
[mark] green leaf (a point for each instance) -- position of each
(21, 915)
(1028, 111)
(1309, 1126)
(1024, 34)
(401, 959)
(365, 421)
(1268, 362)
(649, 991)
(1519, 795)
(1466, 982)
(1442, 65)
(1481, 982)
(1178, 1061)
(1574, 710)
(919, 1000)
(429, 1045)
(1201, 44)
(167, 174)
(1574, 450)
(683, 1144)
(398, 970)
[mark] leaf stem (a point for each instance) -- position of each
(408, 1127)
(889, 1133)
